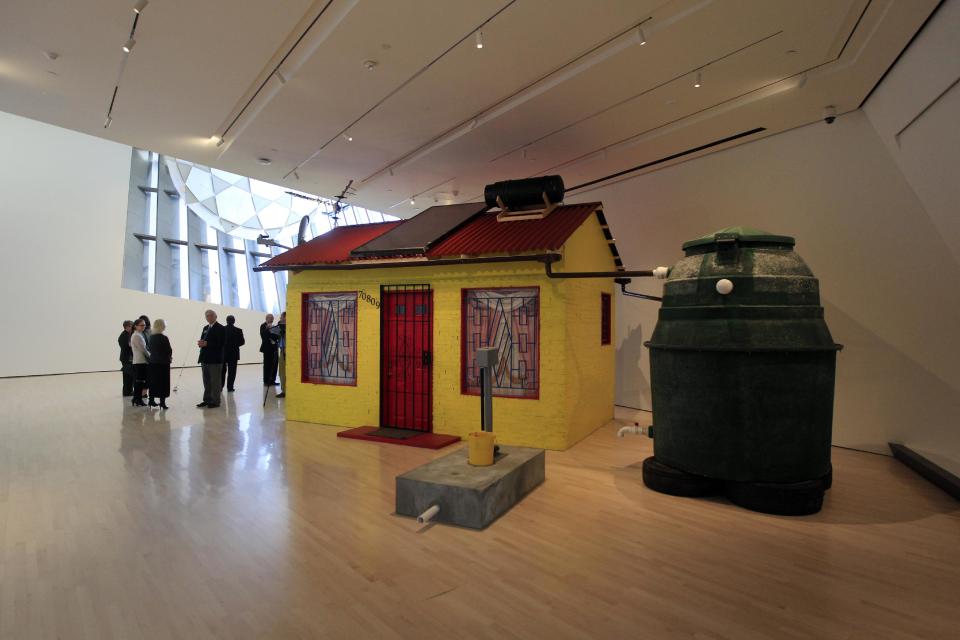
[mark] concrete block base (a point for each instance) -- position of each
(470, 496)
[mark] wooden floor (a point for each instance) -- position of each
(124, 523)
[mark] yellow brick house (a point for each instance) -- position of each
(383, 322)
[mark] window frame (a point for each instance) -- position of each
(304, 323)
(464, 387)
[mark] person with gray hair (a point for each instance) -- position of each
(211, 360)
(161, 355)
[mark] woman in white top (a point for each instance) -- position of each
(141, 356)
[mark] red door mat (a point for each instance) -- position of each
(421, 440)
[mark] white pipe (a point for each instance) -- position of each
(427, 515)
(635, 430)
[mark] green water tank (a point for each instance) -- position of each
(742, 373)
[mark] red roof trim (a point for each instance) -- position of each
(332, 247)
(482, 236)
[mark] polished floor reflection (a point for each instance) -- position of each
(125, 523)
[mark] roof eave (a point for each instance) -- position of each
(550, 256)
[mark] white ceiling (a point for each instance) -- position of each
(560, 86)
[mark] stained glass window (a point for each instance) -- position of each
(509, 320)
(330, 338)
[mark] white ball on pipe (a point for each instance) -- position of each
(724, 286)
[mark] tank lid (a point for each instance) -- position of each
(745, 235)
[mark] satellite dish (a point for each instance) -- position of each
(302, 232)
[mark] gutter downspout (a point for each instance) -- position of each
(622, 278)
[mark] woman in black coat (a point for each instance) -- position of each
(161, 355)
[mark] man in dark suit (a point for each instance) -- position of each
(126, 358)
(268, 347)
(232, 341)
(211, 360)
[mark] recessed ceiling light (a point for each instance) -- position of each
(264, 161)
(51, 55)
(140, 6)
(479, 39)
(128, 45)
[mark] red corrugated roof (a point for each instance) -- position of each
(332, 247)
(484, 235)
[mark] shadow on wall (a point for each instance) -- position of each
(878, 384)
(633, 387)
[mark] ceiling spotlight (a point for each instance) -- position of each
(370, 65)
(216, 140)
(264, 161)
(107, 122)
(140, 6)
(697, 83)
(479, 39)
(347, 137)
(128, 45)
(296, 175)
(643, 38)
(413, 201)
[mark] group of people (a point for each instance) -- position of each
(146, 357)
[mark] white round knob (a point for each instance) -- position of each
(724, 286)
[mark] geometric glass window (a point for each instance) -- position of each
(605, 318)
(508, 320)
(330, 338)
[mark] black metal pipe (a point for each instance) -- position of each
(646, 273)
(623, 282)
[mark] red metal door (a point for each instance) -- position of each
(406, 357)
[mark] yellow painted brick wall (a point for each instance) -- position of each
(590, 366)
(529, 422)
(576, 375)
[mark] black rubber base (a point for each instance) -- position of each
(674, 482)
(784, 499)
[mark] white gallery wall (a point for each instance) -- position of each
(63, 202)
(877, 218)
